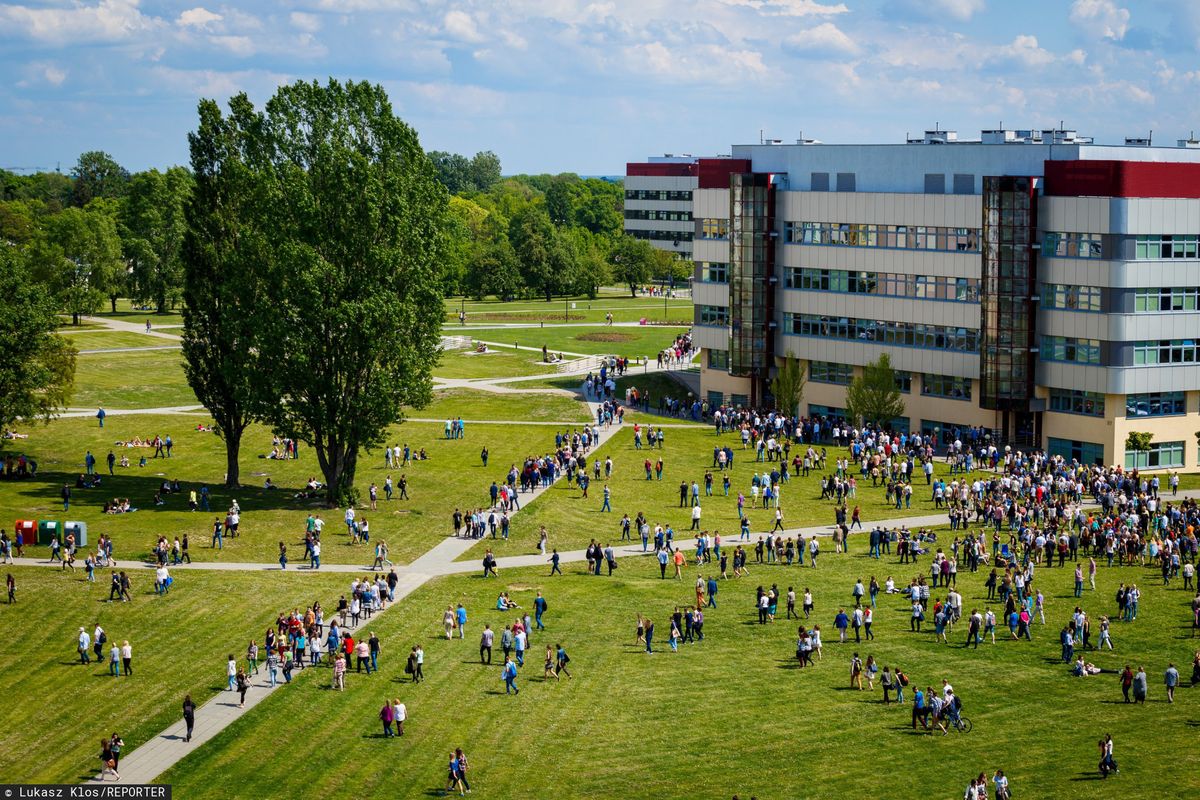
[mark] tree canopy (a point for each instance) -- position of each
(872, 397)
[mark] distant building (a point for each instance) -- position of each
(658, 202)
(1032, 283)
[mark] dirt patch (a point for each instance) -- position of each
(606, 336)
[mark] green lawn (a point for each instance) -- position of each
(573, 520)
(126, 313)
(452, 476)
(56, 709)
(496, 363)
(518, 407)
(623, 308)
(732, 714)
(588, 340)
(150, 379)
(107, 340)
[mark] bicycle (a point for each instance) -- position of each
(962, 724)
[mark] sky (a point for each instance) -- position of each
(587, 85)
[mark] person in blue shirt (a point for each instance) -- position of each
(461, 614)
(554, 559)
(539, 608)
(510, 677)
(920, 711)
(841, 622)
(662, 562)
(712, 592)
(607, 497)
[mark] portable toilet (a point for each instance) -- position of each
(47, 530)
(28, 530)
(80, 531)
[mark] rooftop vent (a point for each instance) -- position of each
(1137, 141)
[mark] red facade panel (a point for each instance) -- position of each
(1122, 179)
(655, 170)
(714, 172)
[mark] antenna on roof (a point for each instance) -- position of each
(1150, 139)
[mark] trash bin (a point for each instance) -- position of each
(28, 531)
(80, 531)
(47, 530)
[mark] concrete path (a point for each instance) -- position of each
(129, 327)
(149, 760)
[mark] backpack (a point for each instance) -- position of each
(903, 678)
(103, 638)
(957, 703)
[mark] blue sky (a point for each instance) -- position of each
(586, 85)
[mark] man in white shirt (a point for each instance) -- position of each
(400, 713)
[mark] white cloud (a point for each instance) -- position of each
(1101, 18)
(693, 63)
(241, 46)
(1023, 50)
(216, 83)
(305, 22)
(39, 73)
(461, 25)
(198, 17)
(790, 8)
(938, 10)
(105, 21)
(825, 39)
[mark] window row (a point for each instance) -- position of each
(1069, 348)
(901, 237)
(829, 372)
(661, 236)
(905, 334)
(1160, 456)
(666, 216)
(1067, 401)
(1167, 299)
(1156, 404)
(657, 194)
(946, 386)
(1071, 298)
(1165, 351)
(903, 380)
(714, 228)
(1088, 453)
(892, 284)
(712, 315)
(1167, 246)
(714, 272)
(1071, 245)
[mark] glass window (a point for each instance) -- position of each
(1156, 404)
(712, 315)
(1088, 453)
(1161, 455)
(904, 384)
(1072, 245)
(1071, 298)
(1165, 351)
(714, 228)
(714, 272)
(829, 372)
(1167, 246)
(888, 236)
(908, 334)
(947, 386)
(1069, 401)
(1166, 299)
(1069, 348)
(718, 359)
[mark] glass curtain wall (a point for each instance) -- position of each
(751, 279)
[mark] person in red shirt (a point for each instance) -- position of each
(348, 646)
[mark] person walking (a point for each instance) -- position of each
(127, 657)
(387, 715)
(339, 673)
(486, 640)
(1140, 685)
(107, 762)
(189, 716)
(243, 684)
(399, 715)
(510, 677)
(1171, 679)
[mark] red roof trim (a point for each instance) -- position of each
(1122, 179)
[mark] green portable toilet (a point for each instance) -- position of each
(80, 531)
(47, 530)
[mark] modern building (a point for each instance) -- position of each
(658, 201)
(1032, 283)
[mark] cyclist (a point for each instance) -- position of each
(952, 708)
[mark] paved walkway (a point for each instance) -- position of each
(151, 759)
(129, 327)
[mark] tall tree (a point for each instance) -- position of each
(485, 170)
(453, 170)
(152, 231)
(632, 262)
(78, 255)
(223, 252)
(96, 175)
(37, 366)
(536, 245)
(788, 385)
(873, 397)
(355, 217)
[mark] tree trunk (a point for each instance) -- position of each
(113, 301)
(337, 461)
(74, 317)
(161, 304)
(233, 445)
(632, 289)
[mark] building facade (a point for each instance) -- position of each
(658, 202)
(1030, 282)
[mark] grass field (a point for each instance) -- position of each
(452, 476)
(473, 404)
(573, 520)
(495, 363)
(56, 709)
(587, 340)
(107, 340)
(623, 308)
(150, 379)
(731, 714)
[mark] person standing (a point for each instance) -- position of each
(339, 673)
(243, 684)
(461, 619)
(231, 671)
(399, 715)
(189, 716)
(84, 646)
(1140, 685)
(486, 640)
(116, 743)
(114, 661)
(100, 415)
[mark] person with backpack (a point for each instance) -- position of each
(901, 680)
(509, 675)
